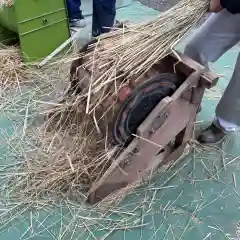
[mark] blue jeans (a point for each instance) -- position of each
(73, 7)
(104, 12)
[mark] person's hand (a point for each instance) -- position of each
(215, 6)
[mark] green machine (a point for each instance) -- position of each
(41, 26)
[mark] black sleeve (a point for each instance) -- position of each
(233, 6)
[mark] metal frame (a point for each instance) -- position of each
(163, 136)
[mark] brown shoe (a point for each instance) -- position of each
(211, 135)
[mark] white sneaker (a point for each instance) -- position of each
(77, 23)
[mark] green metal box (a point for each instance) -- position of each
(41, 25)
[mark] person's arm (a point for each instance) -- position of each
(233, 6)
(215, 6)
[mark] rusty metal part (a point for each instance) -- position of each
(162, 137)
(139, 104)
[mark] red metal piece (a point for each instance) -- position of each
(124, 93)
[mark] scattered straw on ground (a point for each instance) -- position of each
(55, 161)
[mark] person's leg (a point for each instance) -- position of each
(104, 12)
(216, 36)
(229, 106)
(75, 14)
(73, 7)
(227, 117)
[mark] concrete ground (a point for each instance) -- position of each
(159, 5)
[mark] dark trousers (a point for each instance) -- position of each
(73, 7)
(104, 12)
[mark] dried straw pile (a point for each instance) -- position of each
(15, 73)
(7, 3)
(12, 70)
(71, 153)
(63, 161)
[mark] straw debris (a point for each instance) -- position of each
(13, 72)
(7, 3)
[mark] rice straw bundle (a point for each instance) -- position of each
(130, 52)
